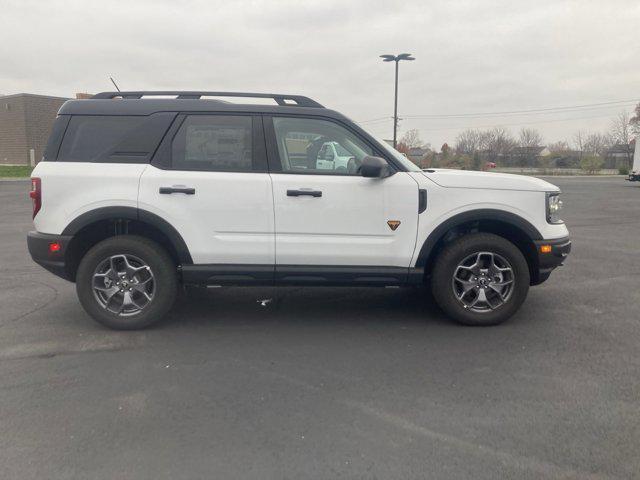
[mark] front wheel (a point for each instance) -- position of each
(480, 279)
(127, 282)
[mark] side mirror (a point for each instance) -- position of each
(374, 167)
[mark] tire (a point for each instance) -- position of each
(152, 290)
(497, 291)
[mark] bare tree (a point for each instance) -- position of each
(595, 143)
(412, 139)
(592, 143)
(529, 137)
(621, 134)
(469, 141)
(559, 146)
(497, 142)
(578, 140)
(621, 129)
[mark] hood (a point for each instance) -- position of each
(487, 180)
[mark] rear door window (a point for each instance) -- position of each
(214, 143)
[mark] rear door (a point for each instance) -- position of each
(209, 180)
(334, 216)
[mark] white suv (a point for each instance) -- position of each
(136, 195)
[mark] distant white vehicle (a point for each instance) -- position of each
(333, 156)
(634, 174)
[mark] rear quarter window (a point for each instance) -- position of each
(113, 138)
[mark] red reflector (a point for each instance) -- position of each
(36, 195)
(55, 247)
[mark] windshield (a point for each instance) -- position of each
(408, 164)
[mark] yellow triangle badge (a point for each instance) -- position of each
(393, 224)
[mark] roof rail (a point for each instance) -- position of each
(284, 100)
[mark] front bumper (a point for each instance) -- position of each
(38, 244)
(550, 257)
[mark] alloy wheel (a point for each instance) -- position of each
(483, 281)
(123, 284)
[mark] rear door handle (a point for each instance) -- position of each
(170, 190)
(299, 193)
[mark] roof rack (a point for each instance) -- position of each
(284, 100)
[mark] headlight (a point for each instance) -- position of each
(554, 206)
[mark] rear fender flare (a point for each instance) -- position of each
(131, 213)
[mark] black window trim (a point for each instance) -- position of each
(275, 164)
(163, 156)
(56, 137)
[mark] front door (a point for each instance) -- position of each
(211, 185)
(335, 217)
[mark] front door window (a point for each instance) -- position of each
(318, 146)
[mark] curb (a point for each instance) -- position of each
(580, 176)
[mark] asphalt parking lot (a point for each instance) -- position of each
(331, 383)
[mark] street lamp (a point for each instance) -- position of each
(396, 58)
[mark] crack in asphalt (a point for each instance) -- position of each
(45, 350)
(63, 352)
(36, 309)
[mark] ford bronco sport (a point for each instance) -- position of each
(138, 194)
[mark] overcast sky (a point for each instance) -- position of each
(472, 55)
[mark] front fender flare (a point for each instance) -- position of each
(474, 215)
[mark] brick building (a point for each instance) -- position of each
(25, 123)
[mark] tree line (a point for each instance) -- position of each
(475, 149)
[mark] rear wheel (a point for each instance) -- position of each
(127, 282)
(480, 279)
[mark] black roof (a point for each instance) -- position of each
(133, 103)
(143, 103)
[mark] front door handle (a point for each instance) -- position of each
(299, 193)
(170, 190)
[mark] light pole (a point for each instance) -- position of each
(396, 58)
